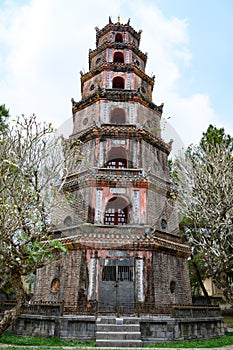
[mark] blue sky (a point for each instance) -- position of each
(44, 45)
(210, 30)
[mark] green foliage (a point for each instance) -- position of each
(31, 165)
(211, 343)
(8, 338)
(34, 165)
(33, 169)
(4, 115)
(60, 344)
(228, 321)
(214, 137)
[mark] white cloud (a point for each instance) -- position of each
(192, 116)
(45, 45)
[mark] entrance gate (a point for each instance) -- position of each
(116, 288)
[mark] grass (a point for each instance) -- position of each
(228, 321)
(23, 343)
(210, 343)
(8, 338)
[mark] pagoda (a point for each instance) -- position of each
(121, 226)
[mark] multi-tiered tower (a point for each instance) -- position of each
(121, 225)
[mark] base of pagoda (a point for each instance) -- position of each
(153, 328)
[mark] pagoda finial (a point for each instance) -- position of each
(128, 22)
(118, 20)
(109, 20)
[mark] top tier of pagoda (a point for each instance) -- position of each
(117, 50)
(117, 75)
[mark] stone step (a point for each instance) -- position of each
(118, 335)
(118, 332)
(118, 343)
(117, 328)
(114, 320)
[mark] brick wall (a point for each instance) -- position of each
(167, 269)
(67, 270)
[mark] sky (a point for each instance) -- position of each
(44, 45)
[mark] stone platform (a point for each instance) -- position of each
(149, 329)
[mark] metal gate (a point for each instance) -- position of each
(116, 288)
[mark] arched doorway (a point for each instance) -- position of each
(117, 116)
(118, 38)
(118, 57)
(117, 163)
(116, 212)
(118, 83)
(117, 158)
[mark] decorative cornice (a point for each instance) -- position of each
(116, 95)
(164, 245)
(117, 67)
(117, 240)
(104, 177)
(118, 46)
(122, 132)
(117, 27)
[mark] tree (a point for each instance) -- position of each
(4, 115)
(32, 166)
(197, 270)
(205, 184)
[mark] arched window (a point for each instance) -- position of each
(119, 38)
(118, 57)
(172, 286)
(68, 221)
(163, 224)
(117, 158)
(55, 285)
(118, 83)
(117, 116)
(117, 163)
(116, 212)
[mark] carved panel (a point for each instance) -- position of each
(101, 155)
(136, 206)
(92, 279)
(132, 113)
(108, 83)
(105, 112)
(127, 56)
(135, 154)
(128, 82)
(139, 280)
(109, 55)
(98, 207)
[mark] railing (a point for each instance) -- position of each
(136, 309)
(118, 309)
(37, 308)
(196, 311)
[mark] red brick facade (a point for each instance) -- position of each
(121, 227)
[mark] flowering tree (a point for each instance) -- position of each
(32, 166)
(205, 181)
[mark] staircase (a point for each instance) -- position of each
(118, 332)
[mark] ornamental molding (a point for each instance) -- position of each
(122, 132)
(118, 95)
(118, 46)
(117, 67)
